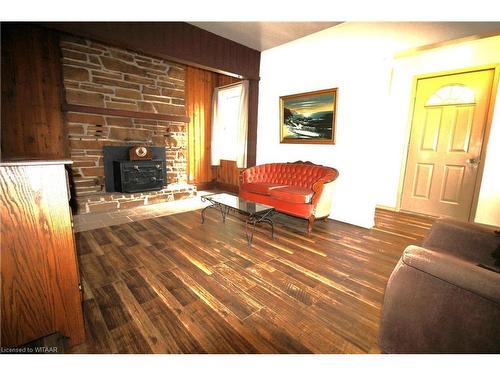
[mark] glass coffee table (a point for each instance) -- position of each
(256, 212)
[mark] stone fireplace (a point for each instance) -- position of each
(116, 97)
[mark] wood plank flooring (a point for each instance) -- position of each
(173, 285)
(403, 224)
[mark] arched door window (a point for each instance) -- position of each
(452, 94)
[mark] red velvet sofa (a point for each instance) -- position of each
(301, 189)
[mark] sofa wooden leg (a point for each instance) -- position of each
(310, 224)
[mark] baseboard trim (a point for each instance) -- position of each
(227, 187)
(210, 185)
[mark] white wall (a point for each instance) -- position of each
(358, 59)
(488, 207)
(457, 56)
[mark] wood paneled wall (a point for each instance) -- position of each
(175, 41)
(223, 80)
(253, 111)
(228, 176)
(199, 89)
(200, 85)
(32, 123)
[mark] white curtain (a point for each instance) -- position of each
(217, 130)
(241, 155)
(230, 124)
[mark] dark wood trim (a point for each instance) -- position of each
(122, 113)
(253, 111)
(227, 187)
(174, 41)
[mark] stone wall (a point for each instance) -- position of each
(129, 99)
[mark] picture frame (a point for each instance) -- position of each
(309, 117)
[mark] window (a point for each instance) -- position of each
(452, 94)
(230, 123)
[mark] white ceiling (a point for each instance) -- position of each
(263, 35)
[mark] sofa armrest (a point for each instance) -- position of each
(319, 185)
(322, 199)
(464, 274)
(323, 194)
(245, 176)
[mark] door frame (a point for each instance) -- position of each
(486, 132)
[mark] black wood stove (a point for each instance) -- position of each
(132, 176)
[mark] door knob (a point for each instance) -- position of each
(473, 161)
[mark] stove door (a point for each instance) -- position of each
(142, 176)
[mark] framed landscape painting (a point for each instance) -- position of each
(308, 117)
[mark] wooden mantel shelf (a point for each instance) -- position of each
(122, 113)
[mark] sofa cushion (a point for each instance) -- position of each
(292, 194)
(260, 187)
(303, 210)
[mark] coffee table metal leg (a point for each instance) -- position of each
(253, 220)
(203, 214)
(271, 223)
(223, 211)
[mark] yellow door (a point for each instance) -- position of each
(447, 133)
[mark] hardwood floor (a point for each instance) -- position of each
(403, 224)
(172, 285)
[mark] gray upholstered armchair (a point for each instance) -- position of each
(444, 297)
